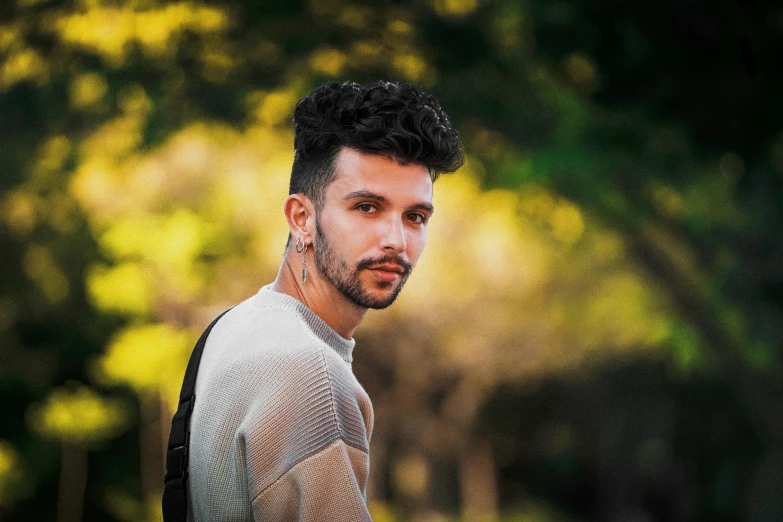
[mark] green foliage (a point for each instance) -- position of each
(620, 203)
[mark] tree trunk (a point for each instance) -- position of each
(164, 418)
(73, 483)
(478, 484)
(153, 458)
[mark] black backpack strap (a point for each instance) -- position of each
(175, 491)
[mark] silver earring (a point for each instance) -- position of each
(302, 249)
(304, 264)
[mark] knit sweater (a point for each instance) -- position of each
(281, 427)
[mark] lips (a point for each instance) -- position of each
(387, 273)
(389, 268)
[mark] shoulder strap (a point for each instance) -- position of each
(175, 491)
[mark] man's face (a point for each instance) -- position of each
(372, 226)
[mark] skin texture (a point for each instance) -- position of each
(375, 214)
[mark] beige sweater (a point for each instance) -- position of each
(281, 427)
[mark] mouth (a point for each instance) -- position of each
(387, 273)
(389, 268)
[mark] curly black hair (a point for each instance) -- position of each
(396, 121)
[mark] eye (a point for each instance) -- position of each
(419, 219)
(366, 208)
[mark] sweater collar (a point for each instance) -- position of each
(344, 347)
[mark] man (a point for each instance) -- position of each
(281, 428)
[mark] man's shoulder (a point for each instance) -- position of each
(269, 351)
(255, 333)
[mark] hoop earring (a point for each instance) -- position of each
(304, 264)
(299, 248)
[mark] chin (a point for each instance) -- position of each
(381, 304)
(379, 300)
(372, 294)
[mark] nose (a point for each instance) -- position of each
(394, 237)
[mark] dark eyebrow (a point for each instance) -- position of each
(364, 194)
(423, 206)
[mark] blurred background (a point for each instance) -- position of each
(594, 331)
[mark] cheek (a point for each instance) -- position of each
(415, 244)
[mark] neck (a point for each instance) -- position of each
(319, 295)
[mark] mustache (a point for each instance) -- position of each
(386, 260)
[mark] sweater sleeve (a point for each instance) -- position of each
(326, 486)
(307, 457)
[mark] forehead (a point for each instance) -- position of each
(356, 171)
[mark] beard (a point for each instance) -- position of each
(348, 281)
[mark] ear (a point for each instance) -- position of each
(300, 214)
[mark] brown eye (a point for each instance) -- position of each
(366, 208)
(419, 219)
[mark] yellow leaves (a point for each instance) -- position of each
(52, 156)
(149, 358)
(148, 247)
(20, 210)
(382, 511)
(124, 288)
(9, 459)
(133, 100)
(366, 52)
(608, 248)
(411, 475)
(77, 414)
(87, 90)
(106, 31)
(165, 215)
(328, 61)
(19, 63)
(218, 64)
(117, 137)
(10, 37)
(354, 16)
(454, 8)
(492, 238)
(105, 160)
(567, 223)
(92, 184)
(562, 217)
(40, 200)
(23, 65)
(40, 267)
(276, 107)
(174, 239)
(11, 473)
(400, 27)
(482, 232)
(616, 315)
(413, 68)
(109, 31)
(537, 202)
